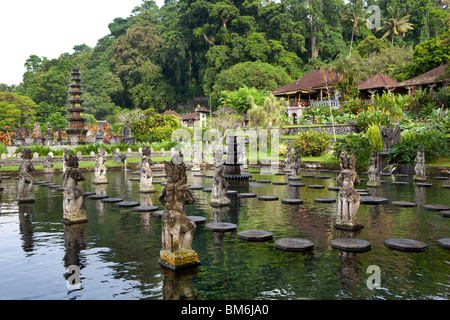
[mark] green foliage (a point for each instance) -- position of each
(359, 144)
(155, 127)
(239, 99)
(311, 143)
(3, 149)
(42, 150)
(16, 109)
(372, 115)
(370, 45)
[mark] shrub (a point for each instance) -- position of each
(372, 115)
(359, 144)
(311, 143)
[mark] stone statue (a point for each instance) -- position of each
(73, 200)
(48, 164)
(177, 229)
(374, 169)
(50, 133)
(196, 158)
(295, 163)
(389, 137)
(65, 159)
(220, 187)
(146, 182)
(348, 197)
(421, 173)
(99, 134)
(100, 168)
(288, 160)
(26, 180)
(1, 188)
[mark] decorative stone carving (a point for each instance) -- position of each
(348, 199)
(295, 163)
(146, 181)
(26, 180)
(389, 137)
(374, 169)
(421, 173)
(288, 160)
(65, 159)
(177, 229)
(48, 164)
(220, 187)
(73, 200)
(100, 168)
(196, 158)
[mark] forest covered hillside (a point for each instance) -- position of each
(161, 57)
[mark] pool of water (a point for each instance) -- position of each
(117, 250)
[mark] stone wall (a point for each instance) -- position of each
(338, 129)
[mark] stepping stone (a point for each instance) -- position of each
(207, 189)
(308, 176)
(232, 193)
(145, 208)
(246, 195)
(324, 177)
(373, 200)
(98, 196)
(400, 183)
(401, 175)
(362, 179)
(441, 178)
(264, 181)
(424, 185)
(445, 213)
(60, 188)
(364, 194)
(268, 198)
(158, 214)
(196, 187)
(255, 235)
(279, 183)
(135, 179)
(444, 243)
(407, 245)
(316, 186)
(251, 180)
(324, 200)
(404, 204)
(295, 178)
(436, 207)
(54, 186)
(292, 201)
(446, 186)
(294, 244)
(324, 170)
(127, 204)
(350, 245)
(334, 188)
(209, 176)
(199, 174)
(197, 219)
(385, 174)
(87, 194)
(253, 172)
(111, 200)
(220, 226)
(281, 173)
(296, 184)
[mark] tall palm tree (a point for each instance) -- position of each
(355, 14)
(396, 23)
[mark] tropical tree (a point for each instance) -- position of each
(395, 23)
(356, 15)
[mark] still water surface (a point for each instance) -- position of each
(118, 249)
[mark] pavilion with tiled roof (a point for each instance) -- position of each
(434, 78)
(376, 84)
(172, 113)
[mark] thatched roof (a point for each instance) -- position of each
(224, 109)
(172, 113)
(377, 81)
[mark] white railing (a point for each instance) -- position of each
(334, 103)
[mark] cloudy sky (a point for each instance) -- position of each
(48, 28)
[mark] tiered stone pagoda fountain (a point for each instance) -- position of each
(76, 133)
(233, 173)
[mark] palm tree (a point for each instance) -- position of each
(395, 24)
(355, 14)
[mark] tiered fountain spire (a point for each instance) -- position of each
(76, 133)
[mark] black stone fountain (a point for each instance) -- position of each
(233, 173)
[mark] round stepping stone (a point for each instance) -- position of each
(232, 192)
(404, 204)
(281, 173)
(400, 183)
(401, 175)
(334, 188)
(445, 213)
(292, 201)
(264, 181)
(295, 178)
(255, 235)
(350, 245)
(199, 174)
(424, 185)
(308, 176)
(441, 178)
(406, 245)
(324, 170)
(135, 179)
(296, 184)
(316, 186)
(279, 183)
(246, 195)
(98, 196)
(251, 180)
(197, 219)
(127, 204)
(220, 226)
(207, 189)
(111, 200)
(324, 200)
(446, 186)
(323, 177)
(294, 244)
(373, 200)
(145, 208)
(436, 207)
(87, 194)
(158, 214)
(444, 243)
(196, 187)
(268, 198)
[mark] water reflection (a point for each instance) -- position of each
(26, 217)
(178, 285)
(74, 244)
